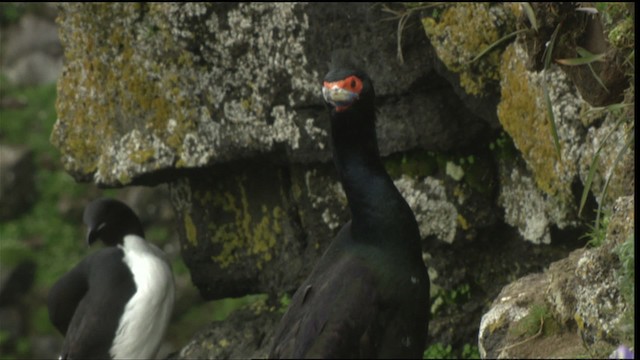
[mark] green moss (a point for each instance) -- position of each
(417, 164)
(443, 298)
(442, 351)
(478, 175)
(463, 31)
(503, 148)
(538, 320)
(438, 351)
(621, 36)
(523, 117)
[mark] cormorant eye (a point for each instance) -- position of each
(353, 83)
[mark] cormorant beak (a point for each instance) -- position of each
(337, 96)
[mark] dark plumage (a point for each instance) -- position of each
(368, 296)
(116, 302)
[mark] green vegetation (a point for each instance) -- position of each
(539, 321)
(441, 351)
(11, 12)
(285, 300)
(416, 164)
(627, 276)
(438, 351)
(52, 239)
(597, 233)
(43, 227)
(444, 298)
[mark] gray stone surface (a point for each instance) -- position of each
(176, 86)
(222, 102)
(581, 295)
(31, 51)
(17, 183)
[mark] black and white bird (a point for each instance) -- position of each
(116, 303)
(368, 296)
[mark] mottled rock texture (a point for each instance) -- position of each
(222, 102)
(581, 300)
(153, 87)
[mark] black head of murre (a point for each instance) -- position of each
(110, 220)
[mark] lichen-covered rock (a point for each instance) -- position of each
(238, 229)
(460, 33)
(607, 149)
(458, 48)
(222, 101)
(523, 113)
(255, 227)
(232, 338)
(526, 207)
(586, 296)
(149, 88)
(520, 324)
(606, 33)
(602, 309)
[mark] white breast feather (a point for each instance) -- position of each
(147, 313)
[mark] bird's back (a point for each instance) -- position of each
(347, 308)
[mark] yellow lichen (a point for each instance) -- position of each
(142, 156)
(465, 30)
(244, 237)
(112, 85)
(224, 343)
(190, 230)
(522, 114)
(464, 224)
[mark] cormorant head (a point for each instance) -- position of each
(346, 86)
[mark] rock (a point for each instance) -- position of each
(238, 228)
(527, 208)
(232, 338)
(16, 279)
(474, 79)
(169, 87)
(523, 113)
(603, 82)
(17, 186)
(221, 102)
(242, 154)
(32, 53)
(252, 227)
(607, 149)
(583, 299)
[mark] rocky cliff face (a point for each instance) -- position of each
(222, 102)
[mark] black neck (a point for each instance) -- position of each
(375, 203)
